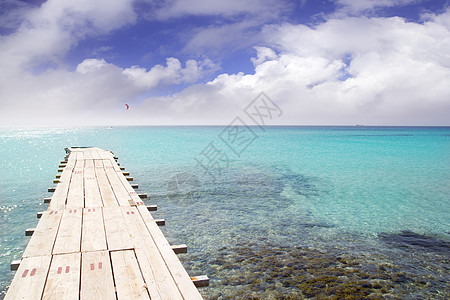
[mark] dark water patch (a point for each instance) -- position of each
(302, 185)
(251, 185)
(410, 240)
(312, 225)
(261, 270)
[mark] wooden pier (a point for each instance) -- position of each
(97, 240)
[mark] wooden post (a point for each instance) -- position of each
(29, 231)
(15, 265)
(160, 222)
(152, 207)
(200, 281)
(179, 248)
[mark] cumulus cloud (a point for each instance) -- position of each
(230, 8)
(92, 95)
(48, 32)
(224, 38)
(173, 73)
(345, 71)
(36, 87)
(354, 7)
(236, 23)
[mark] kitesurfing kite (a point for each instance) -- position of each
(128, 107)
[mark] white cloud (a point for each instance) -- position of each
(48, 32)
(354, 7)
(237, 23)
(352, 70)
(344, 71)
(229, 8)
(93, 93)
(174, 73)
(224, 38)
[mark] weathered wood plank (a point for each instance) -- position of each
(127, 276)
(179, 274)
(75, 196)
(105, 154)
(63, 281)
(87, 154)
(108, 197)
(93, 236)
(117, 236)
(92, 196)
(30, 278)
(68, 239)
(158, 278)
(59, 197)
(96, 276)
(80, 155)
(128, 187)
(120, 191)
(43, 239)
(95, 154)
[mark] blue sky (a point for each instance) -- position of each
(327, 62)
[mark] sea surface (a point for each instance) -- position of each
(268, 213)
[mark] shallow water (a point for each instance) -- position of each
(296, 212)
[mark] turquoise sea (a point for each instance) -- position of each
(269, 213)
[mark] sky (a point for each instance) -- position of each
(203, 62)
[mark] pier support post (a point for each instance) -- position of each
(200, 281)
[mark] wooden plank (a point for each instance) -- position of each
(80, 155)
(87, 154)
(92, 196)
(108, 197)
(63, 281)
(105, 154)
(96, 276)
(29, 281)
(117, 236)
(158, 278)
(59, 198)
(128, 187)
(75, 197)
(93, 236)
(120, 191)
(179, 274)
(127, 276)
(68, 239)
(95, 154)
(43, 239)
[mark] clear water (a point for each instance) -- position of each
(376, 196)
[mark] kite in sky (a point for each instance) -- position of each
(128, 107)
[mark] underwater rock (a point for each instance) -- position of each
(256, 271)
(408, 239)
